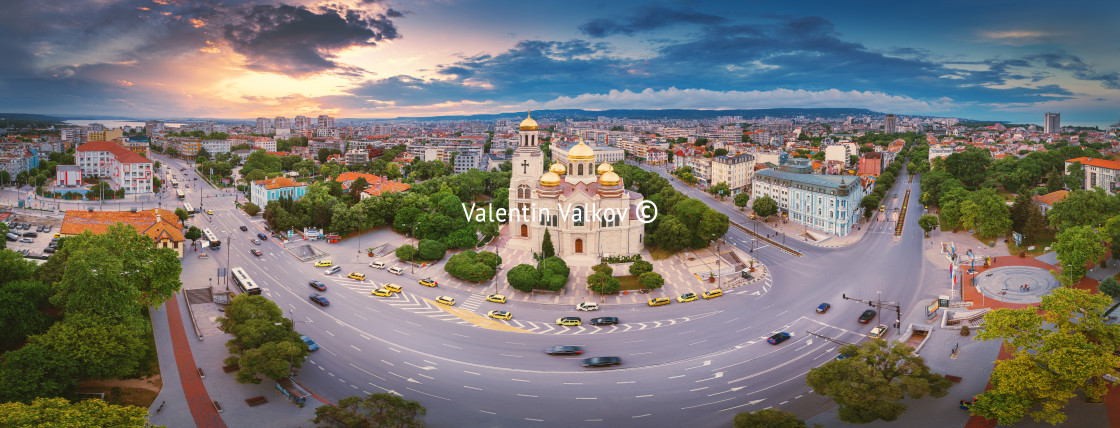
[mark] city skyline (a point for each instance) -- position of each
(381, 59)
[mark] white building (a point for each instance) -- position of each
(736, 171)
(122, 168)
(829, 203)
(216, 146)
(1098, 173)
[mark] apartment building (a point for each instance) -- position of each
(737, 171)
(1098, 173)
(216, 146)
(120, 167)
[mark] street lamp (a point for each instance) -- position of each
(229, 241)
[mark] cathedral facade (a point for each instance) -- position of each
(586, 209)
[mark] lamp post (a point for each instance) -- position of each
(229, 241)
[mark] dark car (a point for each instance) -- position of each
(778, 338)
(823, 307)
(604, 321)
(866, 316)
(322, 301)
(262, 236)
(244, 229)
(602, 361)
(318, 285)
(256, 252)
(50, 250)
(564, 350)
(31, 234)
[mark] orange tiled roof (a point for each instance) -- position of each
(1051, 198)
(1100, 163)
(279, 183)
(123, 154)
(156, 223)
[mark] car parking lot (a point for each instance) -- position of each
(34, 234)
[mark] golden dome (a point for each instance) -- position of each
(558, 168)
(529, 124)
(581, 152)
(550, 179)
(609, 178)
(605, 168)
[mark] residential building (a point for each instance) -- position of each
(1052, 123)
(1098, 173)
(187, 147)
(357, 157)
(890, 126)
(159, 224)
(871, 163)
(301, 123)
(829, 203)
(1047, 201)
(736, 171)
(375, 185)
(265, 191)
(325, 121)
(281, 122)
(216, 146)
(468, 159)
(264, 125)
(68, 175)
(656, 156)
(119, 166)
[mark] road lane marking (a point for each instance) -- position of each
(641, 416)
(483, 411)
(386, 362)
(451, 346)
(707, 404)
(527, 395)
(643, 396)
(513, 356)
(573, 383)
(425, 393)
(534, 420)
(519, 380)
(674, 377)
(586, 398)
(468, 372)
(355, 348)
(471, 387)
(629, 381)
(698, 389)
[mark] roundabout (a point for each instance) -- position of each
(1016, 284)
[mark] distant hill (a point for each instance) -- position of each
(30, 117)
(652, 114)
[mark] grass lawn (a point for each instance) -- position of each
(1039, 246)
(659, 254)
(629, 282)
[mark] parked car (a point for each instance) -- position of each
(318, 285)
(26, 240)
(823, 307)
(31, 234)
(564, 350)
(604, 321)
(318, 298)
(602, 361)
(50, 250)
(687, 297)
(311, 345)
(778, 338)
(13, 237)
(48, 229)
(866, 316)
(587, 306)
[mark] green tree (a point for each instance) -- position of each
(1036, 226)
(103, 348)
(969, 166)
(1075, 176)
(274, 360)
(547, 250)
(21, 310)
(765, 206)
(182, 214)
(868, 385)
(13, 267)
(523, 277)
(1083, 208)
(742, 199)
(251, 209)
(429, 249)
(357, 187)
(554, 274)
(1077, 246)
(193, 233)
(1020, 210)
(33, 371)
(721, 189)
(671, 234)
(60, 412)
(471, 266)
(263, 340)
(603, 268)
(406, 252)
(639, 267)
(1110, 287)
(380, 410)
(927, 222)
(1060, 349)
(985, 212)
(651, 280)
(713, 225)
(1054, 181)
(603, 283)
(767, 418)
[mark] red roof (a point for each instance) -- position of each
(1100, 163)
(279, 182)
(122, 154)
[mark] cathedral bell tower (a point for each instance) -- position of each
(528, 164)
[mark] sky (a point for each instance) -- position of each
(989, 60)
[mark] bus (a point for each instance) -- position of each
(180, 194)
(187, 206)
(174, 183)
(244, 282)
(209, 236)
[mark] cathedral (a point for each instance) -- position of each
(586, 209)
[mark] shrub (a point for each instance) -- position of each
(603, 283)
(472, 266)
(251, 209)
(640, 267)
(651, 280)
(603, 268)
(406, 252)
(431, 249)
(523, 277)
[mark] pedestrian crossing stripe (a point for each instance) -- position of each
(479, 320)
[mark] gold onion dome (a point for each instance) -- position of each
(558, 168)
(605, 168)
(581, 152)
(609, 178)
(529, 124)
(550, 179)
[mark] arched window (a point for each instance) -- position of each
(578, 216)
(523, 192)
(580, 167)
(570, 169)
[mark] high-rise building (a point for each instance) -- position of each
(281, 122)
(302, 123)
(1052, 123)
(264, 125)
(325, 121)
(891, 124)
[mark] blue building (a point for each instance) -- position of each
(265, 191)
(828, 203)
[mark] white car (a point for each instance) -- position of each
(878, 331)
(587, 306)
(396, 270)
(377, 265)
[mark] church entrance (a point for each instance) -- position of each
(579, 246)
(524, 230)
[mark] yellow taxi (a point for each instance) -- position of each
(711, 294)
(752, 216)
(499, 315)
(687, 297)
(382, 292)
(392, 287)
(569, 321)
(211, 212)
(659, 301)
(445, 300)
(496, 298)
(429, 282)
(324, 263)
(357, 276)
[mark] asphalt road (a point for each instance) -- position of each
(695, 363)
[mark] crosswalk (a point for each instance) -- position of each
(471, 303)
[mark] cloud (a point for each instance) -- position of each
(777, 98)
(646, 19)
(1016, 37)
(298, 41)
(1079, 69)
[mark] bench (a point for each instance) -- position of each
(954, 379)
(256, 401)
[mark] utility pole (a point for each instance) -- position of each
(836, 341)
(888, 305)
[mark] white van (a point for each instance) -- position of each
(587, 306)
(377, 265)
(396, 270)
(333, 270)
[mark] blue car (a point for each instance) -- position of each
(311, 345)
(322, 301)
(778, 338)
(823, 307)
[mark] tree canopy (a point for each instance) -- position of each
(60, 412)
(374, 410)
